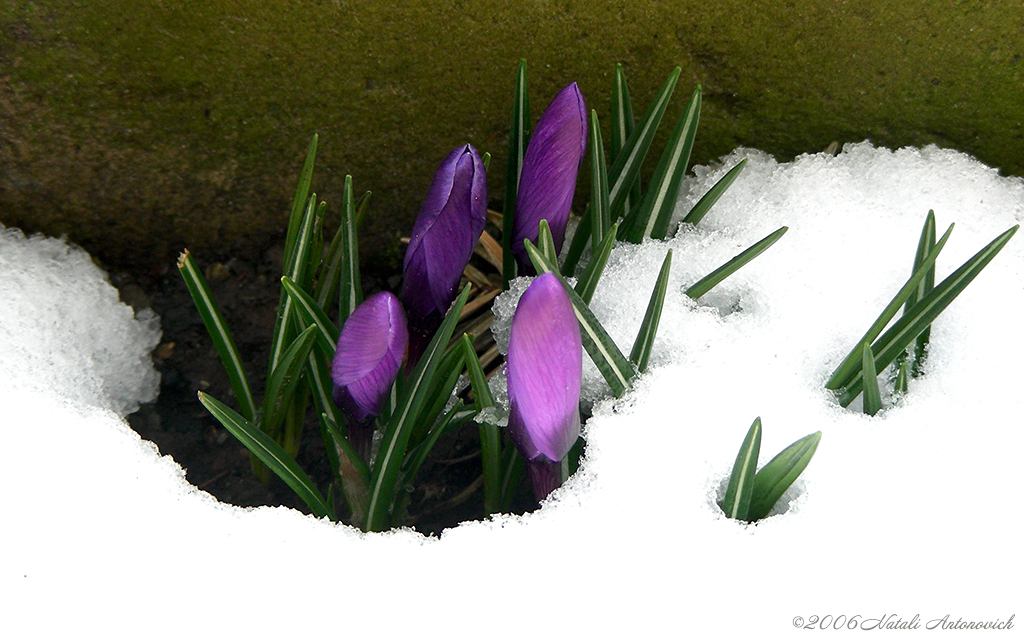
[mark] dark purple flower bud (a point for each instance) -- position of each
(370, 351)
(447, 229)
(545, 366)
(550, 165)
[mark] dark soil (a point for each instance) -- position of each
(447, 489)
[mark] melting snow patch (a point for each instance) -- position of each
(912, 512)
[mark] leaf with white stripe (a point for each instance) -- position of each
(655, 212)
(887, 347)
(741, 482)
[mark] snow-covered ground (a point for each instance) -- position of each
(915, 512)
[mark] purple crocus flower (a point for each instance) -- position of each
(545, 365)
(548, 178)
(446, 231)
(370, 351)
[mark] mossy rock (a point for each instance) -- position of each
(144, 128)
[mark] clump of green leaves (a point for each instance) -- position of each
(751, 494)
(422, 405)
(905, 344)
(621, 210)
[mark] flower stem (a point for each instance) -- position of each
(546, 475)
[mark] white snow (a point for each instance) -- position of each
(913, 512)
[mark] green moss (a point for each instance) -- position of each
(145, 129)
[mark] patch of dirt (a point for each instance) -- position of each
(447, 489)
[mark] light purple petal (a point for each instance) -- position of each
(545, 365)
(444, 235)
(550, 166)
(370, 351)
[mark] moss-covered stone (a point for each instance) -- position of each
(139, 128)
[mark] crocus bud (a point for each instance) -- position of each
(447, 229)
(370, 351)
(548, 178)
(544, 368)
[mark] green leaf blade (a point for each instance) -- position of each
(519, 136)
(586, 286)
(714, 278)
(626, 167)
(270, 453)
(310, 314)
(872, 394)
(850, 366)
(644, 343)
(888, 347)
(739, 491)
(299, 200)
(295, 269)
(219, 332)
(600, 215)
(622, 126)
(655, 212)
(281, 385)
(701, 208)
(779, 474)
(546, 243)
(924, 248)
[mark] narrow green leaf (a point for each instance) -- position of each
(922, 314)
(616, 369)
(295, 269)
(626, 167)
(330, 272)
(351, 294)
(846, 371)
(715, 277)
(310, 314)
(902, 384)
(281, 385)
(872, 395)
(316, 249)
(219, 332)
(600, 215)
(644, 343)
(343, 250)
(299, 201)
(779, 474)
(485, 159)
(477, 380)
(924, 247)
(580, 241)
(414, 460)
(513, 466)
(321, 386)
(519, 136)
(622, 121)
(267, 450)
(407, 409)
(622, 126)
(490, 435)
(655, 212)
(741, 483)
(546, 243)
(701, 208)
(587, 283)
(440, 389)
(361, 207)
